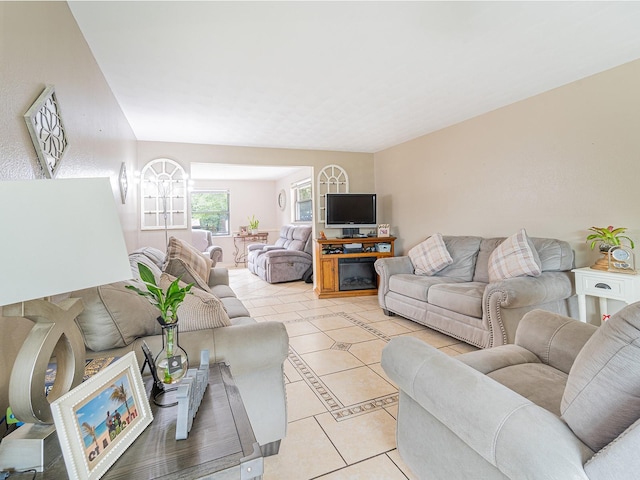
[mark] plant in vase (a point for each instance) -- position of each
(253, 224)
(607, 237)
(172, 361)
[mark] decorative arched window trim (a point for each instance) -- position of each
(163, 192)
(331, 179)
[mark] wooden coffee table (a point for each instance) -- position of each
(220, 446)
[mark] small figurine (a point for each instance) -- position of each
(322, 235)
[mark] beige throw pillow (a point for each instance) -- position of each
(200, 310)
(187, 263)
(430, 256)
(515, 257)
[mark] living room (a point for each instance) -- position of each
(555, 163)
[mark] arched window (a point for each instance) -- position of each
(164, 195)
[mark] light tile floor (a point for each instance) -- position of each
(341, 405)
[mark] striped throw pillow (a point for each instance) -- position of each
(187, 263)
(200, 310)
(430, 256)
(515, 257)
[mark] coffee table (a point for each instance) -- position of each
(220, 446)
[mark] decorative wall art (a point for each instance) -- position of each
(124, 182)
(44, 121)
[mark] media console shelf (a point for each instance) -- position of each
(344, 266)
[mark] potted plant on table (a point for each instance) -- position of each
(253, 224)
(172, 361)
(606, 238)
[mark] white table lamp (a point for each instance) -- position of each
(57, 236)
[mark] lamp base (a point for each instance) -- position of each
(31, 446)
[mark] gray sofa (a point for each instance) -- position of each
(287, 259)
(562, 403)
(116, 321)
(203, 241)
(461, 302)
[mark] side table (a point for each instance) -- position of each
(604, 285)
(220, 446)
(240, 243)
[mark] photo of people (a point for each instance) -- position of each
(105, 416)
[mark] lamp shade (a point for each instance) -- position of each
(58, 236)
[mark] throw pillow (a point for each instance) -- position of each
(602, 396)
(199, 310)
(430, 256)
(515, 257)
(187, 263)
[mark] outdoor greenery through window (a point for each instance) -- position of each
(302, 200)
(210, 211)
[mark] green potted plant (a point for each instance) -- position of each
(172, 361)
(607, 237)
(253, 224)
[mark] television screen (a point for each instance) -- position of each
(350, 210)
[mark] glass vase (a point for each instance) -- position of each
(172, 362)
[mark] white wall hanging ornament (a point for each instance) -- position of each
(44, 121)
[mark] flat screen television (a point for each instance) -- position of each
(350, 212)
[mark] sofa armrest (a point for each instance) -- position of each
(247, 348)
(530, 291)
(255, 246)
(487, 416)
(385, 268)
(215, 254)
(218, 276)
(269, 248)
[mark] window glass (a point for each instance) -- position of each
(302, 199)
(210, 211)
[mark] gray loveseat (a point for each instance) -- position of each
(116, 321)
(562, 403)
(287, 259)
(461, 302)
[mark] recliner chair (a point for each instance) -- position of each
(203, 241)
(285, 261)
(562, 403)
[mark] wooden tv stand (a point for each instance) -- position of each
(331, 255)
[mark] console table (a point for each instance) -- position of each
(240, 243)
(336, 258)
(604, 285)
(221, 444)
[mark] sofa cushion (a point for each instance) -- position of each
(187, 263)
(602, 397)
(463, 251)
(430, 256)
(464, 298)
(199, 310)
(141, 257)
(115, 316)
(515, 257)
(414, 286)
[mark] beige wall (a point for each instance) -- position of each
(40, 45)
(555, 164)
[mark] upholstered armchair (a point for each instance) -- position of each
(287, 259)
(562, 403)
(203, 241)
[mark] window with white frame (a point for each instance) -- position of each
(302, 206)
(210, 211)
(163, 190)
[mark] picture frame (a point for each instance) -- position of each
(49, 137)
(244, 230)
(91, 437)
(383, 230)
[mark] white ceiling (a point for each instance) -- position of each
(351, 76)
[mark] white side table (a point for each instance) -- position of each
(605, 285)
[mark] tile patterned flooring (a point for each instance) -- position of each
(341, 406)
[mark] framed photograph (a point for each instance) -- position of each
(44, 121)
(99, 419)
(244, 230)
(383, 230)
